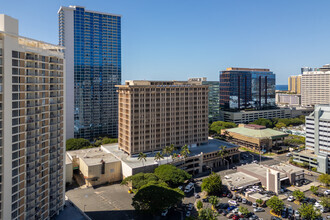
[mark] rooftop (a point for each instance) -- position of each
(260, 170)
(153, 83)
(92, 156)
(308, 153)
(240, 180)
(255, 133)
(247, 69)
(287, 168)
(133, 162)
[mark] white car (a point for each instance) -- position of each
(254, 205)
(233, 202)
(188, 213)
(296, 214)
(317, 204)
(235, 211)
(164, 213)
(290, 198)
(327, 192)
(258, 209)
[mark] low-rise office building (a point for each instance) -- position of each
(96, 166)
(256, 137)
(317, 140)
(288, 99)
(271, 177)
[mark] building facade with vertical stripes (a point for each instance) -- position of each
(32, 145)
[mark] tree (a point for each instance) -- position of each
(154, 198)
(307, 211)
(264, 122)
(214, 201)
(107, 140)
(140, 179)
(299, 195)
(212, 184)
(218, 125)
(168, 150)
(275, 204)
(207, 214)
(199, 204)
(325, 202)
(171, 175)
(259, 201)
(185, 151)
(243, 210)
(142, 157)
(222, 152)
(324, 178)
(280, 125)
(158, 156)
(314, 189)
(174, 156)
(77, 143)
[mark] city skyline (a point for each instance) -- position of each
(163, 41)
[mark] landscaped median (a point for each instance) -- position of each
(273, 213)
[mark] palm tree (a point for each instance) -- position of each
(158, 156)
(222, 152)
(174, 156)
(142, 157)
(185, 151)
(168, 150)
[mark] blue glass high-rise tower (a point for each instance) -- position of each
(92, 42)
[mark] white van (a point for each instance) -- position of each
(189, 187)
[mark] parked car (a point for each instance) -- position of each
(235, 210)
(289, 155)
(229, 195)
(290, 198)
(275, 218)
(296, 214)
(205, 199)
(188, 213)
(327, 192)
(190, 206)
(298, 183)
(196, 195)
(258, 209)
(284, 214)
(244, 201)
(231, 208)
(254, 205)
(225, 212)
(232, 202)
(189, 188)
(290, 210)
(239, 199)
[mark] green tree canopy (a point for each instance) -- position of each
(243, 210)
(324, 178)
(218, 125)
(207, 214)
(275, 204)
(325, 201)
(212, 184)
(199, 204)
(280, 125)
(140, 179)
(77, 143)
(259, 201)
(171, 175)
(154, 198)
(308, 212)
(299, 195)
(265, 122)
(314, 189)
(214, 201)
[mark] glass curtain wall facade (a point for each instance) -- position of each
(97, 69)
(214, 89)
(242, 88)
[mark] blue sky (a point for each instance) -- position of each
(177, 39)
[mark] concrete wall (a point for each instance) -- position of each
(68, 173)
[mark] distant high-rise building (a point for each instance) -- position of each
(92, 43)
(155, 114)
(214, 96)
(294, 84)
(244, 88)
(315, 86)
(31, 126)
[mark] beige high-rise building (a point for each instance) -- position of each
(155, 114)
(294, 84)
(315, 87)
(31, 126)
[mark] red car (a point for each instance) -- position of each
(235, 217)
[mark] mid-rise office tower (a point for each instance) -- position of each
(155, 114)
(31, 125)
(92, 42)
(244, 88)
